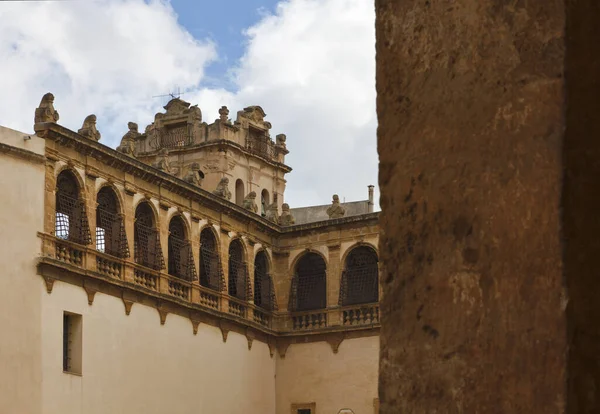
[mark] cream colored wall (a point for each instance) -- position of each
(22, 189)
(133, 364)
(313, 373)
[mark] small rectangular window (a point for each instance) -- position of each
(307, 408)
(72, 343)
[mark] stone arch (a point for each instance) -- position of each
(239, 192)
(264, 289)
(110, 224)
(146, 236)
(309, 282)
(239, 282)
(71, 222)
(76, 175)
(360, 276)
(211, 271)
(180, 256)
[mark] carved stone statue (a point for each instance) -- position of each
(272, 213)
(222, 189)
(336, 210)
(194, 175)
(163, 161)
(223, 115)
(128, 141)
(88, 129)
(250, 202)
(280, 140)
(286, 218)
(46, 112)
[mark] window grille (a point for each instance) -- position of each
(264, 291)
(71, 218)
(146, 239)
(181, 257)
(211, 272)
(308, 289)
(239, 285)
(360, 278)
(110, 227)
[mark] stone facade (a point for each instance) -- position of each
(127, 235)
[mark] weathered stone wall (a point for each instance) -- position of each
(471, 103)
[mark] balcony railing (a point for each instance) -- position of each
(125, 272)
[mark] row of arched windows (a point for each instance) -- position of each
(359, 283)
(240, 193)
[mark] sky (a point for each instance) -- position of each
(310, 64)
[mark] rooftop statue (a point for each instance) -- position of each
(250, 202)
(286, 218)
(224, 115)
(46, 112)
(163, 161)
(280, 140)
(222, 189)
(128, 141)
(336, 210)
(88, 129)
(272, 213)
(194, 175)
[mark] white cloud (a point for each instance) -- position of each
(102, 57)
(311, 66)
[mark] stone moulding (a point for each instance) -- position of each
(21, 153)
(92, 282)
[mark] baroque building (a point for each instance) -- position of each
(169, 275)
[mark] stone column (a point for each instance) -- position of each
(489, 169)
(333, 282)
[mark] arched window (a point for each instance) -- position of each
(264, 291)
(181, 257)
(264, 202)
(211, 272)
(238, 272)
(239, 192)
(110, 228)
(146, 238)
(308, 291)
(360, 278)
(71, 219)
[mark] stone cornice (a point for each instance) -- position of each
(22, 153)
(363, 219)
(220, 144)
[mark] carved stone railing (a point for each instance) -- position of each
(237, 307)
(108, 267)
(178, 288)
(209, 298)
(309, 320)
(367, 314)
(145, 277)
(69, 256)
(262, 317)
(69, 252)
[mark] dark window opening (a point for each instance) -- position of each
(110, 226)
(360, 278)
(211, 273)
(71, 218)
(264, 291)
(146, 239)
(238, 272)
(308, 290)
(181, 258)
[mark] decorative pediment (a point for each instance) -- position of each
(254, 113)
(176, 106)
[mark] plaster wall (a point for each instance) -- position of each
(312, 373)
(133, 364)
(22, 186)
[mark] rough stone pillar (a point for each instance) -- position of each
(334, 275)
(489, 119)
